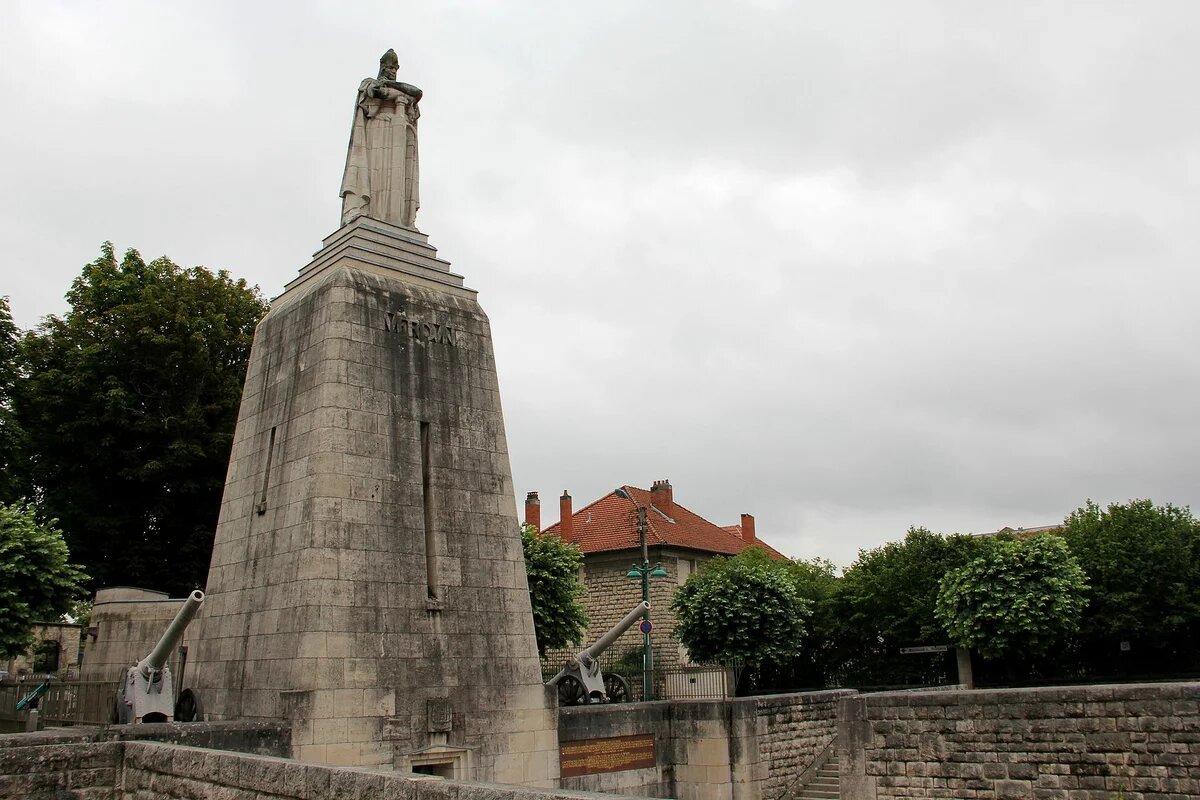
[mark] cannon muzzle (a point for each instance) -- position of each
(153, 663)
(600, 645)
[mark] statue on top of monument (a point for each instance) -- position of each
(380, 180)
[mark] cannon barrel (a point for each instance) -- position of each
(171, 636)
(600, 645)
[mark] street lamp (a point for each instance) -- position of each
(644, 572)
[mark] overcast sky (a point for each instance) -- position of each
(849, 267)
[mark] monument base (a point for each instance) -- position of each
(367, 579)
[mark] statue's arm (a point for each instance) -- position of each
(407, 88)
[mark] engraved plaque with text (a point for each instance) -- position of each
(613, 754)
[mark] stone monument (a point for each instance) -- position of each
(367, 579)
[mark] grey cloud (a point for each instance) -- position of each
(848, 268)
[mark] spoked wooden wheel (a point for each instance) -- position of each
(187, 707)
(617, 688)
(570, 691)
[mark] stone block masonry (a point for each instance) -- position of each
(793, 733)
(1138, 742)
(367, 579)
(742, 749)
(151, 771)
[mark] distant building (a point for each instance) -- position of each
(606, 531)
(1021, 533)
(126, 624)
(55, 651)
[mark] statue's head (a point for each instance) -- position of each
(388, 64)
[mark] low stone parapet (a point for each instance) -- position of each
(1140, 741)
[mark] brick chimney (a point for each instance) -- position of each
(533, 511)
(663, 497)
(748, 527)
(565, 529)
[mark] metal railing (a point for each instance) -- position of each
(65, 703)
(681, 682)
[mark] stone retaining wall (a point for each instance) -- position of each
(741, 749)
(794, 733)
(131, 770)
(50, 770)
(243, 736)
(1138, 742)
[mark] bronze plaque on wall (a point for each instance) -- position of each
(616, 753)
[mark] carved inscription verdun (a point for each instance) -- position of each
(400, 322)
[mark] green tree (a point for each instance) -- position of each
(14, 461)
(747, 607)
(1143, 563)
(817, 583)
(37, 581)
(553, 568)
(886, 600)
(129, 407)
(1020, 595)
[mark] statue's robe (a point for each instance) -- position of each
(381, 178)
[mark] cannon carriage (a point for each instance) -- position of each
(581, 680)
(147, 693)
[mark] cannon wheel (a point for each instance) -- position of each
(617, 688)
(187, 707)
(570, 691)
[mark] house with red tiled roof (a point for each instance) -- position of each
(606, 531)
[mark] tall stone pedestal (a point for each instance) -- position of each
(367, 579)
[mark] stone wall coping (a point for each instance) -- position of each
(742, 707)
(1036, 694)
(241, 773)
(341, 781)
(148, 730)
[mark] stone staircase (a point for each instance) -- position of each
(824, 785)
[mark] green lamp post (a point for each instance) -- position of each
(644, 572)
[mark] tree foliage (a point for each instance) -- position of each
(1143, 563)
(555, 591)
(129, 406)
(1023, 595)
(14, 471)
(37, 580)
(747, 607)
(886, 600)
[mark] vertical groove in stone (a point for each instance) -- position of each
(266, 481)
(431, 547)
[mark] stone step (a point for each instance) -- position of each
(824, 785)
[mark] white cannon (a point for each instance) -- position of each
(148, 693)
(581, 680)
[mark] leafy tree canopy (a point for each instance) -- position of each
(129, 406)
(747, 607)
(37, 582)
(14, 473)
(1018, 595)
(553, 568)
(1143, 563)
(886, 600)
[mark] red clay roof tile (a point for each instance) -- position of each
(610, 523)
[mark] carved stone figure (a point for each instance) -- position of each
(381, 176)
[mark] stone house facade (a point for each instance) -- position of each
(55, 651)
(606, 531)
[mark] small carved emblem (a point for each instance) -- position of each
(438, 709)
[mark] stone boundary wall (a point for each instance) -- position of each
(132, 770)
(738, 749)
(51, 770)
(242, 736)
(1136, 741)
(794, 733)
